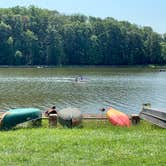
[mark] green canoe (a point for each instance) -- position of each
(16, 116)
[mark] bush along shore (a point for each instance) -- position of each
(94, 143)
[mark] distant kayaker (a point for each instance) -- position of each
(51, 111)
(81, 77)
(76, 79)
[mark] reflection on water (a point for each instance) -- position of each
(123, 88)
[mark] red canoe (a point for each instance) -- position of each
(118, 118)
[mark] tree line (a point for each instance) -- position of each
(34, 36)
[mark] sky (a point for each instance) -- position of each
(141, 12)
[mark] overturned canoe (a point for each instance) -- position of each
(117, 118)
(154, 116)
(69, 117)
(14, 117)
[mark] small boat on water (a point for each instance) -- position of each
(117, 118)
(14, 117)
(80, 79)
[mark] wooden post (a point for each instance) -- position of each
(52, 120)
(135, 119)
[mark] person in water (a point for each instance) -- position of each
(76, 79)
(79, 78)
(51, 111)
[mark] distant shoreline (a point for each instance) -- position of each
(86, 66)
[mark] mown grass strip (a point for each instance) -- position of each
(96, 143)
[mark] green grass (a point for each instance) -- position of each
(96, 143)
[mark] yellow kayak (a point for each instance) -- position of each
(117, 118)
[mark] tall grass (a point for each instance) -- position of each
(96, 143)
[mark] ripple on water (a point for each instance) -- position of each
(125, 90)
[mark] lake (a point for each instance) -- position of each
(123, 88)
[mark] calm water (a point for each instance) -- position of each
(123, 88)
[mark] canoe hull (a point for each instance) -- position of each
(16, 116)
(118, 118)
(69, 117)
(154, 116)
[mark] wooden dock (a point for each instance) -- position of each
(155, 116)
(88, 117)
(84, 116)
(94, 117)
(135, 119)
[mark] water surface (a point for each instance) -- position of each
(123, 88)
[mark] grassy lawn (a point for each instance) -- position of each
(97, 143)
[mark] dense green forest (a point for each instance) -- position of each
(34, 36)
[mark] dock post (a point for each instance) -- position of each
(135, 119)
(52, 120)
